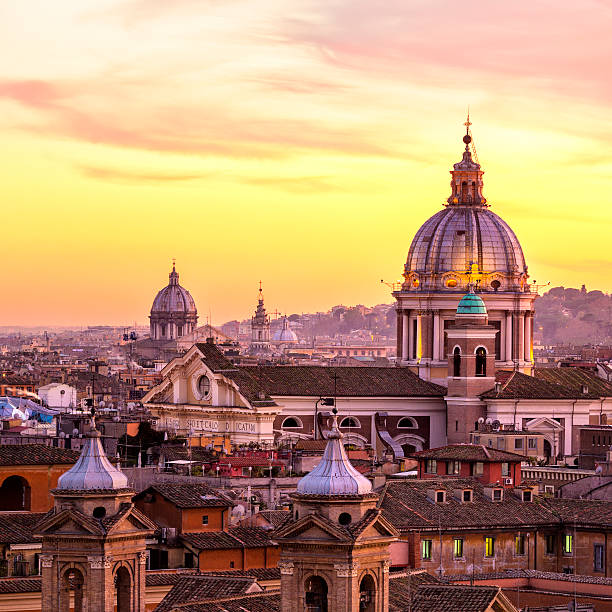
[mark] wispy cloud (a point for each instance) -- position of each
(137, 177)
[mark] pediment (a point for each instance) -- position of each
(131, 520)
(69, 522)
(313, 527)
(376, 527)
(543, 423)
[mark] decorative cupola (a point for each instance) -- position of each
(94, 540)
(466, 183)
(173, 276)
(335, 553)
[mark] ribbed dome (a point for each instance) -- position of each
(173, 298)
(93, 470)
(465, 238)
(471, 304)
(285, 334)
(334, 474)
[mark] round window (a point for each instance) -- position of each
(204, 386)
(345, 518)
(451, 282)
(99, 512)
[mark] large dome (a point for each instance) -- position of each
(465, 243)
(174, 298)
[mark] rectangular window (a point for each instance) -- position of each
(497, 494)
(501, 444)
(231, 565)
(453, 467)
(533, 443)
(476, 439)
(505, 467)
(598, 557)
(568, 544)
(431, 466)
(440, 497)
(477, 468)
(189, 560)
(489, 546)
(467, 495)
(519, 545)
(550, 544)
(518, 443)
(458, 548)
(426, 547)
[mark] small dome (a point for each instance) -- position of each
(173, 298)
(334, 474)
(93, 470)
(285, 334)
(471, 304)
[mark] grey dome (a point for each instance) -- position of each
(334, 474)
(462, 239)
(285, 334)
(93, 470)
(173, 298)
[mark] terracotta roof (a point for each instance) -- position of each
(249, 387)
(349, 382)
(468, 452)
(198, 453)
(516, 385)
(276, 518)
(311, 446)
(454, 598)
(193, 588)
(270, 601)
(407, 506)
(525, 573)
(260, 573)
(36, 454)
(188, 495)
(574, 379)
(247, 461)
(17, 527)
(236, 537)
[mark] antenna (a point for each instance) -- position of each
(468, 132)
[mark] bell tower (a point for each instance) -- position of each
(335, 553)
(260, 328)
(93, 541)
(471, 367)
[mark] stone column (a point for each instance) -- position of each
(520, 353)
(406, 330)
(410, 338)
(508, 355)
(528, 333)
(436, 335)
(419, 338)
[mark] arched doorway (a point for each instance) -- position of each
(367, 594)
(15, 494)
(71, 587)
(315, 599)
(547, 450)
(123, 585)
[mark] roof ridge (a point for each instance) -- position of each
(486, 451)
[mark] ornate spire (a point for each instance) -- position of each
(334, 474)
(174, 277)
(93, 470)
(466, 184)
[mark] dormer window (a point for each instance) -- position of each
(440, 497)
(467, 495)
(497, 495)
(527, 496)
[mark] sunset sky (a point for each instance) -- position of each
(298, 142)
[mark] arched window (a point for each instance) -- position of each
(292, 422)
(481, 361)
(351, 422)
(15, 494)
(407, 423)
(72, 584)
(163, 330)
(457, 361)
(316, 594)
(367, 594)
(179, 331)
(123, 584)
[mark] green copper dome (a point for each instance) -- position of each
(471, 304)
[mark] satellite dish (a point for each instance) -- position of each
(102, 403)
(75, 432)
(481, 420)
(62, 434)
(489, 421)
(496, 424)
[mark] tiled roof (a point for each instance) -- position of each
(574, 379)
(311, 445)
(193, 588)
(276, 518)
(270, 601)
(407, 506)
(188, 495)
(36, 454)
(236, 537)
(17, 527)
(174, 453)
(249, 387)
(260, 573)
(343, 381)
(247, 461)
(454, 598)
(516, 385)
(525, 573)
(468, 452)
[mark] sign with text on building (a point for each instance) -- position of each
(221, 426)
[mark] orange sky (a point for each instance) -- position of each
(297, 142)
